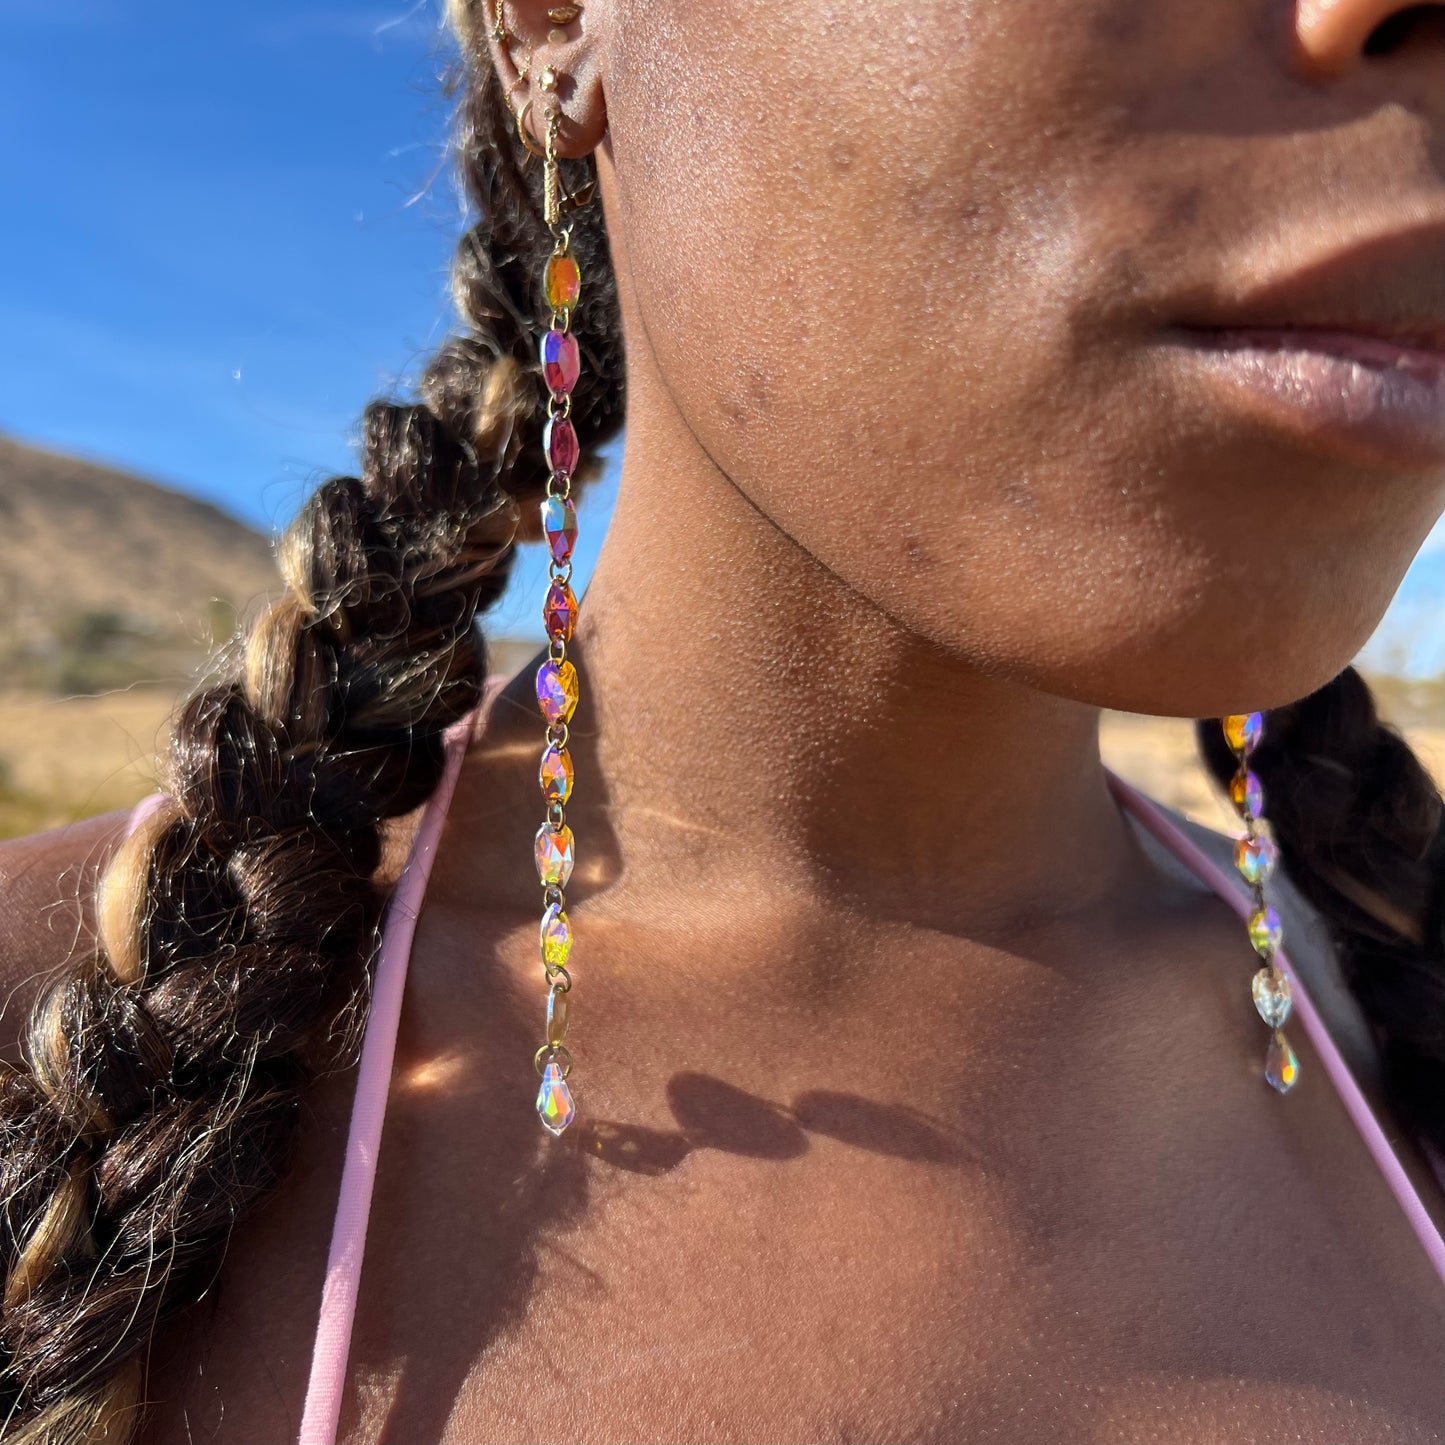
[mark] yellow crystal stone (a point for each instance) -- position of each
(1281, 1067)
(554, 1101)
(1265, 931)
(1246, 794)
(554, 854)
(555, 775)
(561, 282)
(1243, 730)
(557, 690)
(556, 936)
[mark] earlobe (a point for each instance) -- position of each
(546, 53)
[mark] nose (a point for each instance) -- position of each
(1336, 35)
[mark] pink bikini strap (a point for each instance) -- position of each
(1188, 852)
(348, 1236)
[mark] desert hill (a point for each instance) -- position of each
(107, 579)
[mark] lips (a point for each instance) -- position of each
(1419, 350)
(1374, 402)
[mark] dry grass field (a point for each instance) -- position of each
(67, 758)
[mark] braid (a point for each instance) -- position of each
(236, 925)
(1361, 830)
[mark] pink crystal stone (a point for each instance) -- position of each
(559, 524)
(561, 364)
(559, 441)
(559, 611)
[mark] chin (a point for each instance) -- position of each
(1206, 672)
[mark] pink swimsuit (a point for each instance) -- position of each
(348, 1239)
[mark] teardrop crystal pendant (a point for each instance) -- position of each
(1281, 1067)
(554, 1101)
(1271, 996)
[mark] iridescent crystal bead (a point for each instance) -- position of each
(559, 526)
(1255, 857)
(1265, 931)
(1271, 995)
(559, 611)
(559, 443)
(554, 1101)
(561, 361)
(1281, 1067)
(556, 936)
(561, 282)
(1242, 731)
(556, 1016)
(554, 854)
(1246, 794)
(555, 775)
(557, 690)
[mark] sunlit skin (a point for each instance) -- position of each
(915, 1103)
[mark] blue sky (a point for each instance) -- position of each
(228, 226)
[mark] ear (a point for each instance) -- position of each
(570, 43)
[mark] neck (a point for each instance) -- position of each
(758, 723)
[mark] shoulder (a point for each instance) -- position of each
(47, 881)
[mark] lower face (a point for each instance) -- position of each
(941, 264)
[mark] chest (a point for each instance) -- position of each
(1092, 1223)
(843, 1296)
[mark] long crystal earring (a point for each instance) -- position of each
(557, 687)
(1255, 856)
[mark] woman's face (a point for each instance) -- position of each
(912, 274)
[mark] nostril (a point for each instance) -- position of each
(1414, 25)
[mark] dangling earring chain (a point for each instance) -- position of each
(1255, 856)
(557, 677)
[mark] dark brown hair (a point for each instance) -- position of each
(236, 926)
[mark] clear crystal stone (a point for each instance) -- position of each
(1271, 996)
(1281, 1067)
(554, 1101)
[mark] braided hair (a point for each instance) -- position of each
(237, 924)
